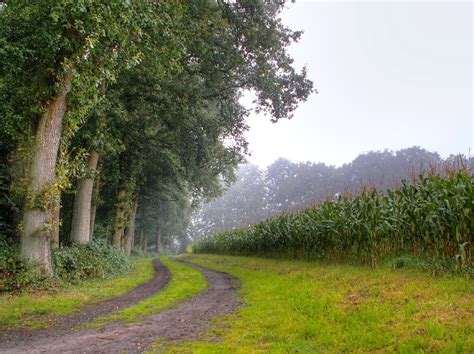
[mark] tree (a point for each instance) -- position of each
(56, 54)
(243, 203)
(192, 113)
(81, 218)
(167, 76)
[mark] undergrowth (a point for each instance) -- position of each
(95, 259)
(72, 264)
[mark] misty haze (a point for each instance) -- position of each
(236, 176)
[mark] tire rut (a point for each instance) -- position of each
(185, 322)
(64, 324)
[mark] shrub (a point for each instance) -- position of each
(17, 273)
(71, 264)
(96, 259)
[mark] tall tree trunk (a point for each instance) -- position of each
(56, 221)
(36, 233)
(143, 241)
(81, 216)
(120, 218)
(159, 246)
(129, 231)
(92, 224)
(95, 196)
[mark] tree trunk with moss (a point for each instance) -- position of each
(129, 231)
(159, 246)
(143, 241)
(37, 223)
(56, 223)
(81, 217)
(120, 218)
(95, 198)
(95, 191)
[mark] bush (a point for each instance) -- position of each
(70, 264)
(96, 259)
(17, 273)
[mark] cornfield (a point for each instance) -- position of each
(432, 217)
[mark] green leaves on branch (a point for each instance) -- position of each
(155, 89)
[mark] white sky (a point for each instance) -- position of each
(389, 75)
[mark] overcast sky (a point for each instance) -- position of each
(389, 75)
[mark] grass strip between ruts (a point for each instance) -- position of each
(185, 283)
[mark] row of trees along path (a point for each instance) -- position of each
(122, 116)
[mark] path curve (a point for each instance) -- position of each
(186, 321)
(67, 323)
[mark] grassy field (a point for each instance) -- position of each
(295, 306)
(31, 310)
(185, 283)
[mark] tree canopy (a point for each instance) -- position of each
(130, 111)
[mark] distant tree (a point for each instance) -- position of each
(382, 169)
(287, 187)
(243, 204)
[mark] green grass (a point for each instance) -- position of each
(186, 282)
(32, 310)
(307, 307)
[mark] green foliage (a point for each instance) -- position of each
(155, 86)
(181, 130)
(431, 218)
(17, 273)
(96, 259)
(46, 44)
(71, 264)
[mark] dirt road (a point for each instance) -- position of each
(187, 321)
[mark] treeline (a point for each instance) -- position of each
(285, 186)
(119, 117)
(428, 223)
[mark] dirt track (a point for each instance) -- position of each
(186, 321)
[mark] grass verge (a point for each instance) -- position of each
(295, 306)
(185, 283)
(33, 310)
